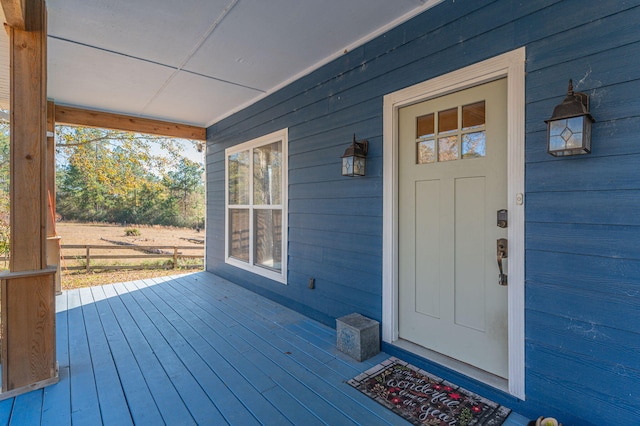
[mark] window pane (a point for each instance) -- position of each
(473, 115)
(268, 242)
(448, 120)
(239, 234)
(267, 174)
(424, 126)
(426, 152)
(474, 145)
(239, 178)
(448, 148)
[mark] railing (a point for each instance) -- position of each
(153, 252)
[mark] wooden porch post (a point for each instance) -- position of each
(27, 293)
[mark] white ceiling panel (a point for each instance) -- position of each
(193, 99)
(101, 80)
(262, 43)
(161, 31)
(197, 61)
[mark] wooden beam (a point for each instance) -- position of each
(90, 118)
(22, 14)
(28, 113)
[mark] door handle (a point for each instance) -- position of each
(502, 250)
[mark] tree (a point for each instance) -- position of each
(117, 176)
(186, 186)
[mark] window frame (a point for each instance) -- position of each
(278, 136)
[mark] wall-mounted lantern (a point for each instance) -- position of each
(569, 128)
(355, 158)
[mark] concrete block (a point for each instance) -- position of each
(358, 336)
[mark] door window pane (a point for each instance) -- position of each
(239, 234)
(448, 120)
(474, 145)
(448, 148)
(424, 126)
(238, 175)
(268, 244)
(267, 174)
(473, 115)
(426, 152)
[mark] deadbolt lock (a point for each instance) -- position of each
(502, 218)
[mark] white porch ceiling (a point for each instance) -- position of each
(197, 61)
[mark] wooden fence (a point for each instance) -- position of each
(151, 252)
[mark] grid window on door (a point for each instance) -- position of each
(256, 200)
(452, 134)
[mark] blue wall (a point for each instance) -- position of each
(582, 213)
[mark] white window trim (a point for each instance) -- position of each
(512, 66)
(280, 135)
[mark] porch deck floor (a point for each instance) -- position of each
(194, 349)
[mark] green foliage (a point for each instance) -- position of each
(111, 176)
(132, 232)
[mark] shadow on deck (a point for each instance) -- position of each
(194, 349)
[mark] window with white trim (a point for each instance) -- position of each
(256, 200)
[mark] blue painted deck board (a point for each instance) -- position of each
(141, 403)
(164, 393)
(273, 347)
(246, 383)
(6, 407)
(174, 354)
(85, 407)
(113, 405)
(194, 349)
(176, 330)
(59, 395)
(24, 413)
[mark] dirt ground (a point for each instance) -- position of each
(92, 234)
(88, 233)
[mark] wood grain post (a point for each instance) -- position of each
(27, 293)
(175, 257)
(28, 58)
(88, 259)
(28, 331)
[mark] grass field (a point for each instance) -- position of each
(97, 233)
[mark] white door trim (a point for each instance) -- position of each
(512, 66)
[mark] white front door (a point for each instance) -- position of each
(452, 180)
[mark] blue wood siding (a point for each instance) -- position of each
(582, 220)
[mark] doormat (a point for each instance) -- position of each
(424, 399)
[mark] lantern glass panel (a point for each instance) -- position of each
(347, 166)
(570, 136)
(358, 166)
(587, 135)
